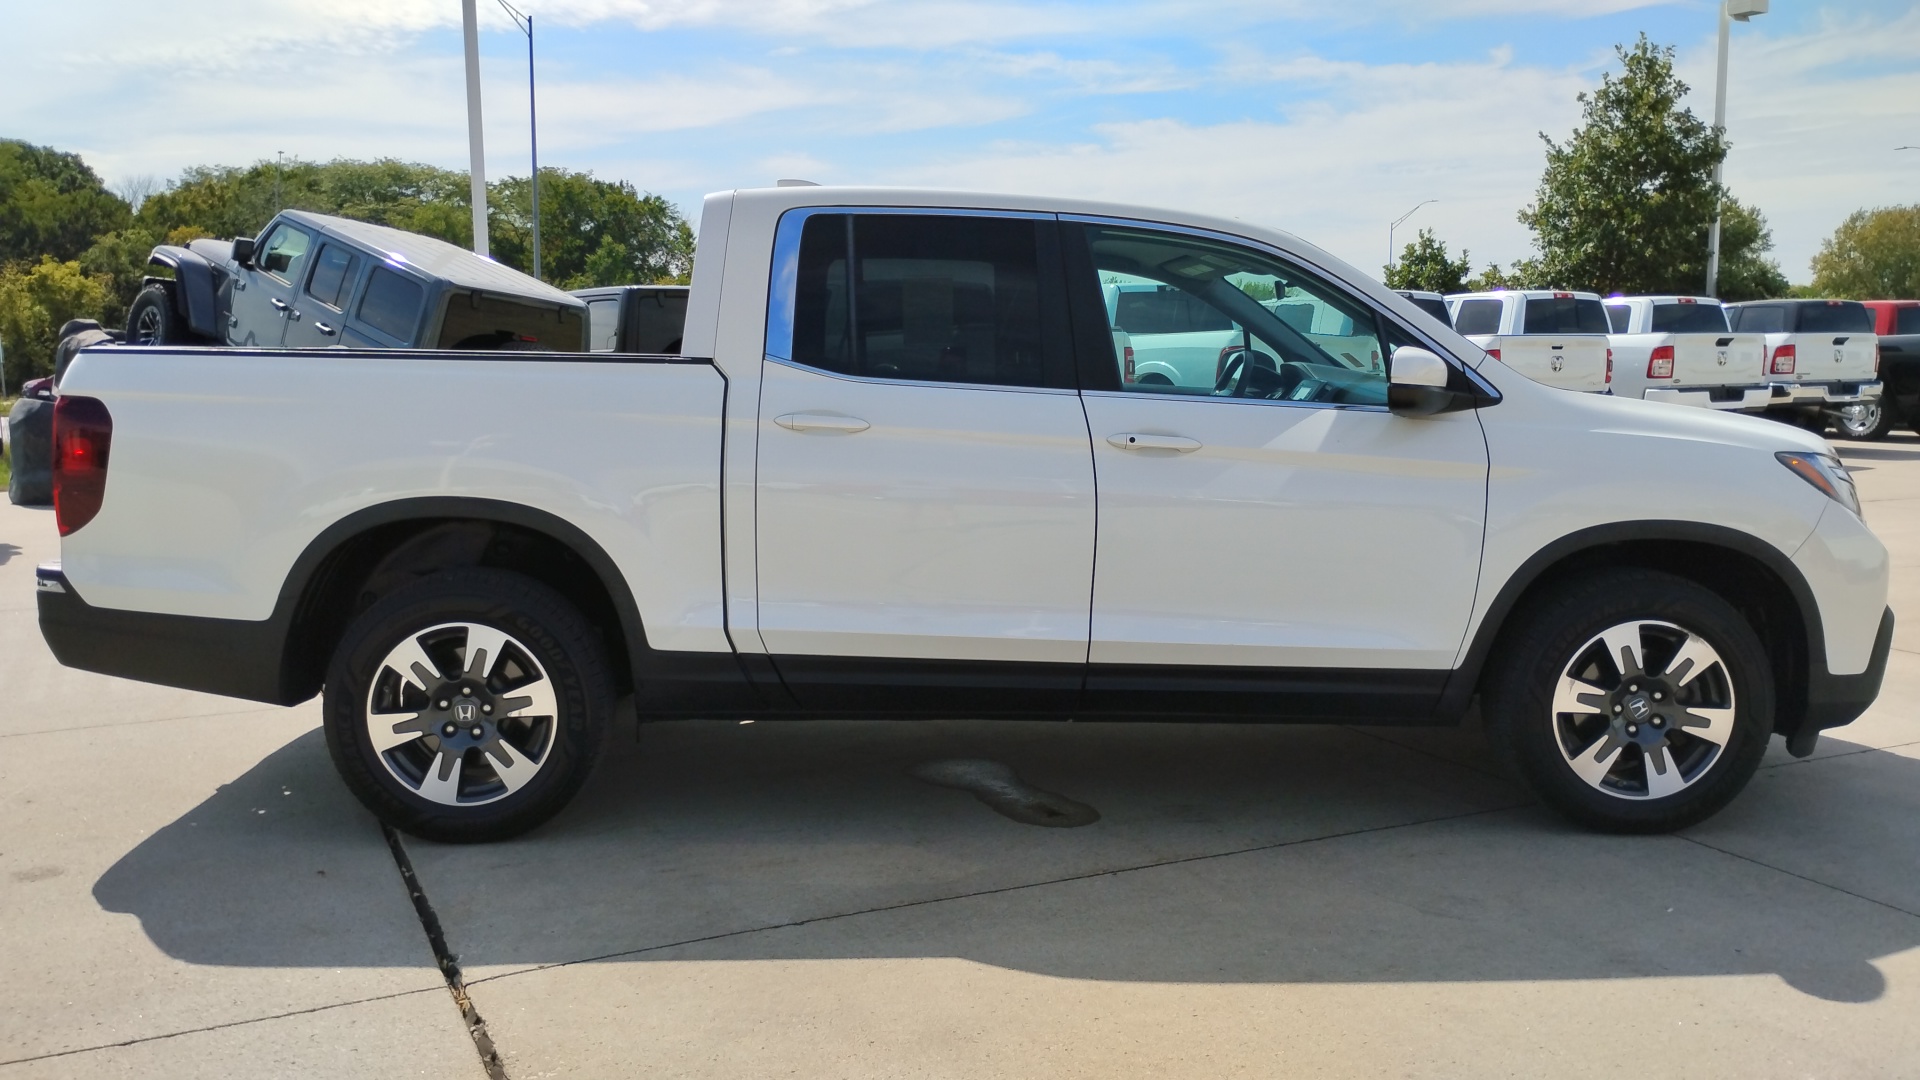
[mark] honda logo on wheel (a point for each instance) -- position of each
(466, 712)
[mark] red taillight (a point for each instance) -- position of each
(1783, 359)
(1609, 367)
(82, 434)
(1128, 365)
(1660, 364)
(1495, 353)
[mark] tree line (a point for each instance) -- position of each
(72, 248)
(1625, 203)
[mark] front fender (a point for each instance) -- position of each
(195, 283)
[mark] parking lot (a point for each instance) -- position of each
(188, 890)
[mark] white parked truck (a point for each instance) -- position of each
(1681, 350)
(1553, 337)
(1822, 355)
(873, 484)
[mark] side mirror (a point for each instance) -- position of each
(1417, 384)
(243, 250)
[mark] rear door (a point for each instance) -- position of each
(925, 501)
(263, 294)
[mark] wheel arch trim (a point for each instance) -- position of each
(193, 291)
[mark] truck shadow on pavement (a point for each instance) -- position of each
(1222, 853)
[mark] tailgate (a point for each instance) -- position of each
(1826, 358)
(1718, 359)
(1568, 361)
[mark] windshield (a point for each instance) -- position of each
(1689, 319)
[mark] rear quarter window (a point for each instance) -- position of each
(392, 304)
(1835, 317)
(1477, 317)
(1689, 319)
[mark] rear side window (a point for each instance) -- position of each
(1619, 316)
(1771, 319)
(392, 304)
(930, 298)
(1835, 317)
(1689, 319)
(1564, 315)
(603, 325)
(1161, 309)
(1906, 320)
(334, 272)
(1477, 317)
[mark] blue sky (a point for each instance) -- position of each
(1324, 119)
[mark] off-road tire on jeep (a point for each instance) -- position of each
(153, 319)
(1624, 750)
(468, 706)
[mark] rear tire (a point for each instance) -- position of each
(1654, 741)
(154, 320)
(1866, 422)
(468, 706)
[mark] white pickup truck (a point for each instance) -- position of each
(1555, 338)
(1822, 355)
(1680, 349)
(873, 485)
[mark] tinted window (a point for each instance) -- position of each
(603, 325)
(334, 271)
(1477, 317)
(1216, 319)
(1766, 319)
(1906, 320)
(657, 319)
(1835, 317)
(1689, 319)
(1564, 315)
(392, 304)
(1619, 316)
(933, 298)
(1432, 306)
(285, 253)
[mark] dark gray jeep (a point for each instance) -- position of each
(311, 280)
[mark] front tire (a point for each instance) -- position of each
(468, 706)
(1632, 701)
(154, 320)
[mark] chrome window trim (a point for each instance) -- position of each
(1004, 388)
(784, 281)
(1286, 256)
(1137, 395)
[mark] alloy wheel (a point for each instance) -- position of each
(461, 714)
(1861, 420)
(1643, 710)
(146, 329)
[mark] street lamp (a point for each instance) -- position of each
(476, 151)
(1396, 223)
(1730, 10)
(525, 23)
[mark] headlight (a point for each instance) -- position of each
(1825, 472)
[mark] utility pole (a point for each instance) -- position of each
(525, 23)
(477, 169)
(1730, 10)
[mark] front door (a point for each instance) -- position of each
(925, 503)
(1265, 523)
(319, 312)
(263, 294)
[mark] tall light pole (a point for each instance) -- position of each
(1729, 11)
(525, 23)
(477, 167)
(1396, 223)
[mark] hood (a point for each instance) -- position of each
(1656, 419)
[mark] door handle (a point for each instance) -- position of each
(280, 304)
(1130, 441)
(324, 328)
(810, 421)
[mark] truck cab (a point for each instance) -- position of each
(1553, 337)
(1681, 350)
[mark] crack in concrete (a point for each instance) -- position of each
(449, 963)
(1802, 877)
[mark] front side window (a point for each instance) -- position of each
(285, 253)
(1689, 319)
(392, 304)
(334, 271)
(1477, 317)
(1200, 317)
(1564, 315)
(603, 325)
(923, 297)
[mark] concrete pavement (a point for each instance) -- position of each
(191, 892)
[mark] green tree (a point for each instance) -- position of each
(36, 299)
(1873, 255)
(1525, 274)
(1625, 203)
(51, 203)
(592, 231)
(1745, 271)
(1425, 265)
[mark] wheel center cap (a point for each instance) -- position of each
(466, 712)
(1638, 707)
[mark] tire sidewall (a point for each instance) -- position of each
(1520, 699)
(533, 615)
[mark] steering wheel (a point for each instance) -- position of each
(1229, 374)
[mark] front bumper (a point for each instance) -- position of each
(1723, 398)
(1833, 700)
(1830, 393)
